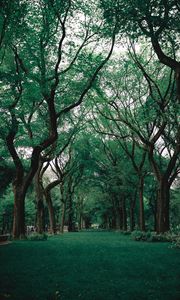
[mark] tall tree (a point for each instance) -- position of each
(45, 58)
(146, 107)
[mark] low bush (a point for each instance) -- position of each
(160, 238)
(176, 243)
(37, 237)
(141, 235)
(154, 237)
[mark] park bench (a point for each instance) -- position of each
(4, 237)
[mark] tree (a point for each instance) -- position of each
(11, 17)
(44, 56)
(147, 113)
(157, 21)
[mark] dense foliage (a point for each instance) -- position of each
(89, 106)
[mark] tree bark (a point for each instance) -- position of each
(63, 212)
(178, 83)
(40, 221)
(165, 180)
(141, 204)
(80, 222)
(52, 220)
(19, 213)
(132, 217)
(168, 61)
(124, 214)
(120, 216)
(80, 213)
(163, 207)
(114, 219)
(71, 226)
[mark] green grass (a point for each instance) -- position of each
(89, 266)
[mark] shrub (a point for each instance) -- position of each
(153, 236)
(159, 237)
(172, 236)
(165, 237)
(176, 243)
(37, 237)
(139, 235)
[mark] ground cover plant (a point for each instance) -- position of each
(89, 265)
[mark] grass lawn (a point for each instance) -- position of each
(89, 266)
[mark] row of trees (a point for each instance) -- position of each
(73, 112)
(98, 186)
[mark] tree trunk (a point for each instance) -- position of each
(19, 213)
(71, 226)
(141, 205)
(63, 216)
(120, 216)
(153, 204)
(163, 207)
(155, 210)
(52, 220)
(40, 221)
(178, 83)
(124, 214)
(79, 209)
(114, 223)
(80, 221)
(132, 217)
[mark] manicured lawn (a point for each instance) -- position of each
(89, 266)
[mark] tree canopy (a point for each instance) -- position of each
(89, 105)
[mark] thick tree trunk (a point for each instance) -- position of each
(40, 222)
(178, 83)
(52, 220)
(63, 216)
(80, 221)
(70, 222)
(164, 182)
(153, 205)
(163, 207)
(19, 213)
(40, 219)
(141, 205)
(71, 226)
